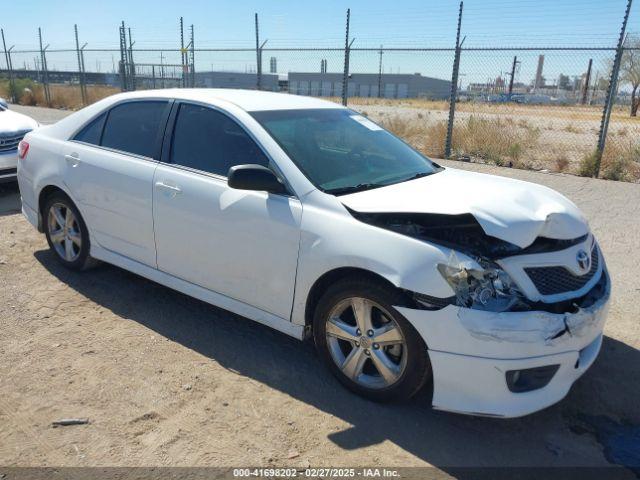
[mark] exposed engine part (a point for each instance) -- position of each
(460, 232)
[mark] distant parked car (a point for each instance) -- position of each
(13, 127)
(310, 218)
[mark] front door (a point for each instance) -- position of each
(241, 244)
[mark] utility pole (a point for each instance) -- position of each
(380, 73)
(454, 86)
(587, 79)
(611, 92)
(7, 56)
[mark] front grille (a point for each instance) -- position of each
(554, 280)
(9, 141)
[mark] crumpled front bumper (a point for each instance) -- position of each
(471, 351)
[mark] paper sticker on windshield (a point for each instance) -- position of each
(366, 122)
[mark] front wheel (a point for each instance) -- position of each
(367, 344)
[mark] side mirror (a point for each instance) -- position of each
(254, 177)
(4, 104)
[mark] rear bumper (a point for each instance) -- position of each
(471, 351)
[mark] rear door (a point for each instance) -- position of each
(242, 244)
(109, 170)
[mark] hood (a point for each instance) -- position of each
(512, 210)
(11, 121)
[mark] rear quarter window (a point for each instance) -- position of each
(134, 127)
(91, 132)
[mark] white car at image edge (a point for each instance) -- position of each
(307, 217)
(13, 127)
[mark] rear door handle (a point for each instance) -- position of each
(73, 160)
(172, 188)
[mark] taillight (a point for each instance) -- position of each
(23, 148)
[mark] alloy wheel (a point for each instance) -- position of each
(366, 343)
(64, 232)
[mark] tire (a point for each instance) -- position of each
(401, 353)
(69, 242)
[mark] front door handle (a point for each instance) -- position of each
(72, 160)
(172, 188)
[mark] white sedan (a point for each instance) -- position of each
(13, 127)
(309, 218)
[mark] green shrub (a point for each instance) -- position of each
(589, 164)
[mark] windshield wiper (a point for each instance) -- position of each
(354, 188)
(416, 176)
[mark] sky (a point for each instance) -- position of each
(288, 23)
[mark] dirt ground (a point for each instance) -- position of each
(166, 380)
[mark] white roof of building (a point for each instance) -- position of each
(249, 100)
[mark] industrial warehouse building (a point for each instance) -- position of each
(236, 80)
(367, 85)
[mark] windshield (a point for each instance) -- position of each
(341, 152)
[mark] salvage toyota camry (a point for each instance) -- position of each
(309, 218)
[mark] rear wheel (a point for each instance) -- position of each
(368, 345)
(66, 232)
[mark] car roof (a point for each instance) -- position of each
(249, 100)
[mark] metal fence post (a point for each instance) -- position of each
(192, 60)
(587, 79)
(454, 87)
(45, 73)
(132, 66)
(611, 93)
(345, 73)
(183, 54)
(258, 57)
(79, 52)
(380, 52)
(123, 58)
(512, 76)
(7, 56)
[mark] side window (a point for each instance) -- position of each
(91, 132)
(133, 127)
(208, 140)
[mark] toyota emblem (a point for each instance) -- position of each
(584, 261)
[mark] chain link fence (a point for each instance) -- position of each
(542, 108)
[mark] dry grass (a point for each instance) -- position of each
(561, 163)
(69, 96)
(66, 97)
(620, 161)
(572, 112)
(571, 128)
(498, 141)
(505, 142)
(427, 137)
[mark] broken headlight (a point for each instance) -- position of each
(488, 288)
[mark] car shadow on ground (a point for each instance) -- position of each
(9, 198)
(560, 435)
